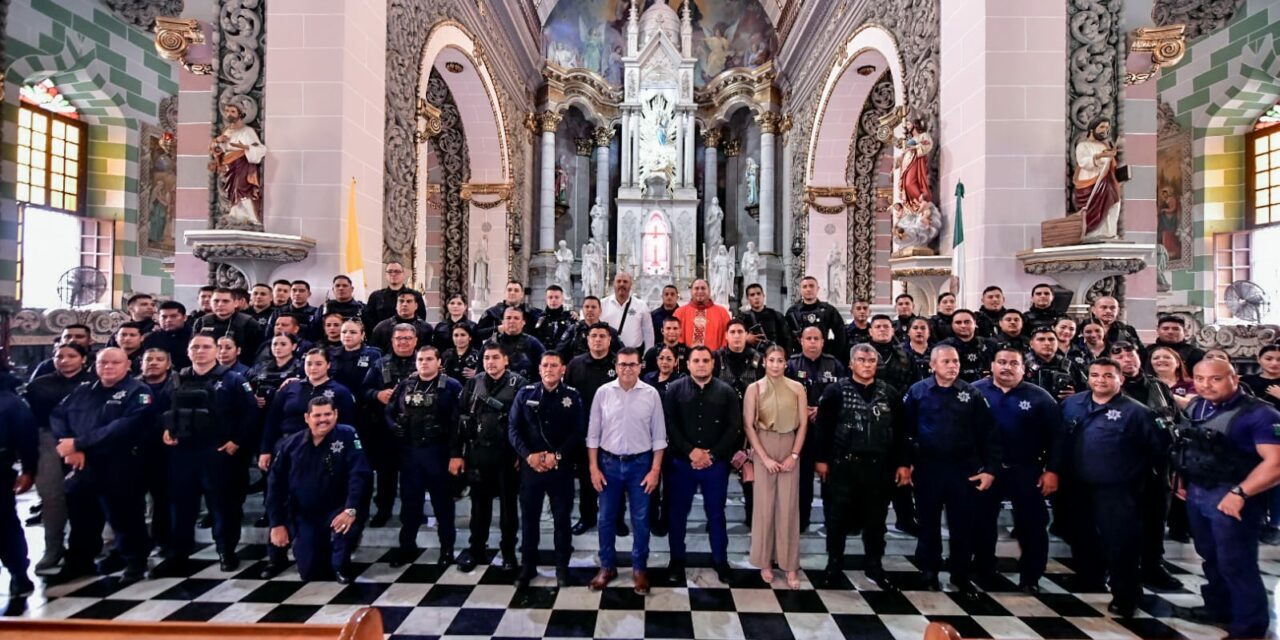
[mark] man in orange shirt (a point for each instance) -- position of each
(702, 321)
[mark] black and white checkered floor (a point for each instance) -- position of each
(426, 601)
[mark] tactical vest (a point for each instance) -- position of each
(740, 380)
(395, 369)
(419, 419)
(491, 410)
(192, 412)
(1052, 376)
(865, 427)
(1204, 454)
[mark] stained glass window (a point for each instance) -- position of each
(51, 160)
(1268, 119)
(45, 95)
(1263, 154)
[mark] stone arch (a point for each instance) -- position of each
(865, 69)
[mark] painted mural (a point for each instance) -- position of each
(591, 34)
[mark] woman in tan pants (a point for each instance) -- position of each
(775, 418)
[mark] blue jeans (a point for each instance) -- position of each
(624, 475)
(1229, 548)
(714, 483)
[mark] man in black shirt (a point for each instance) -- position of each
(1106, 310)
(905, 306)
(816, 371)
(809, 311)
(671, 333)
(383, 302)
(940, 322)
(765, 326)
(574, 343)
(1011, 330)
(670, 302)
(704, 428)
(343, 302)
(587, 373)
(859, 330)
(260, 308)
(975, 351)
(492, 319)
(171, 334)
(300, 305)
(280, 293)
(556, 319)
(524, 351)
(893, 366)
(226, 320)
(1048, 369)
(1041, 311)
(989, 314)
(1171, 331)
(406, 312)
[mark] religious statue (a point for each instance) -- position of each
(658, 134)
(1163, 283)
(715, 218)
(721, 276)
(592, 269)
(914, 229)
(480, 272)
(564, 267)
(752, 178)
(237, 157)
(750, 265)
(835, 277)
(912, 166)
(1097, 190)
(562, 183)
(599, 221)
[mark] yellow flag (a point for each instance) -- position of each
(354, 263)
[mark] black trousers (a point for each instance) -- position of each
(1017, 484)
(492, 474)
(156, 480)
(939, 486)
(1155, 510)
(384, 456)
(857, 497)
(557, 487)
(1107, 538)
(108, 490)
(196, 471)
(424, 470)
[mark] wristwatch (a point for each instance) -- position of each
(350, 512)
(1238, 490)
(557, 456)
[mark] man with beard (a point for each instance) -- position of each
(809, 311)
(1171, 331)
(1011, 330)
(299, 305)
(670, 339)
(280, 293)
(765, 325)
(384, 302)
(627, 314)
(1046, 367)
(574, 343)
(1157, 397)
(975, 352)
(226, 320)
(1030, 427)
(1096, 193)
(989, 314)
(494, 316)
(406, 312)
(815, 370)
(1106, 312)
(556, 319)
(1041, 312)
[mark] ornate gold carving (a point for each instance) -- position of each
(825, 209)
(732, 148)
(531, 125)
(785, 125)
(847, 195)
(768, 122)
(602, 136)
(583, 146)
(453, 67)
(472, 189)
(1166, 45)
(428, 123)
(174, 36)
(921, 271)
(549, 121)
(887, 123)
(711, 138)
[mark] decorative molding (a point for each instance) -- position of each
(602, 136)
(50, 322)
(711, 137)
(1239, 341)
(846, 194)
(829, 210)
(583, 146)
(471, 189)
(1166, 45)
(1046, 267)
(549, 121)
(733, 148)
(1094, 66)
(451, 148)
(174, 36)
(863, 166)
(240, 76)
(921, 272)
(216, 252)
(143, 14)
(1201, 17)
(428, 121)
(769, 122)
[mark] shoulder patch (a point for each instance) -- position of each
(144, 398)
(1275, 428)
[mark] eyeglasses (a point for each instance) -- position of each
(627, 365)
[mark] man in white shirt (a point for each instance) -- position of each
(628, 315)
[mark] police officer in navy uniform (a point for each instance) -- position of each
(975, 351)
(350, 365)
(1227, 459)
(1046, 367)
(1030, 426)
(738, 365)
(861, 454)
(422, 417)
(342, 302)
(158, 375)
(318, 494)
(1156, 492)
(100, 427)
(586, 374)
(379, 385)
(406, 312)
(524, 351)
(1111, 448)
(17, 443)
(816, 370)
(482, 449)
(210, 411)
(513, 298)
(809, 311)
(548, 425)
(957, 453)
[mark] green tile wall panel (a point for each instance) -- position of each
(110, 23)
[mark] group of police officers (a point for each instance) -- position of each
(347, 405)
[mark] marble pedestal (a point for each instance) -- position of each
(929, 274)
(1079, 267)
(256, 254)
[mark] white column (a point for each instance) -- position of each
(710, 140)
(691, 124)
(786, 205)
(602, 137)
(626, 148)
(546, 191)
(768, 130)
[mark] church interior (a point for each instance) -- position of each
(1127, 150)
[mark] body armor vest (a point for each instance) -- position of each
(491, 410)
(865, 427)
(419, 416)
(1053, 376)
(1204, 454)
(192, 413)
(741, 378)
(395, 369)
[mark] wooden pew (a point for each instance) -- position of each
(364, 624)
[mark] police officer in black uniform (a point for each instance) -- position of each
(940, 322)
(1011, 330)
(893, 365)
(224, 319)
(382, 303)
(100, 427)
(406, 313)
(494, 316)
(957, 452)
(586, 374)
(816, 370)
(574, 342)
(1046, 367)
(481, 449)
(809, 311)
(555, 319)
(1112, 447)
(975, 351)
(343, 302)
(1041, 312)
(210, 411)
(765, 325)
(1156, 492)
(378, 387)
(670, 338)
(524, 351)
(422, 417)
(548, 425)
(861, 454)
(904, 307)
(171, 332)
(17, 444)
(461, 361)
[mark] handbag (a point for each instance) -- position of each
(742, 463)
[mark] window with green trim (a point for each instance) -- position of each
(52, 151)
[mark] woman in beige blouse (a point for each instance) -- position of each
(775, 418)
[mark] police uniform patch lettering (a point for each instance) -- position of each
(963, 396)
(1113, 415)
(1024, 405)
(336, 447)
(119, 395)
(568, 403)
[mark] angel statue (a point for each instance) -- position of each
(750, 265)
(592, 270)
(835, 278)
(752, 178)
(721, 276)
(599, 221)
(564, 266)
(914, 229)
(715, 218)
(657, 141)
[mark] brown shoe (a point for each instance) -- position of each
(641, 580)
(603, 578)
